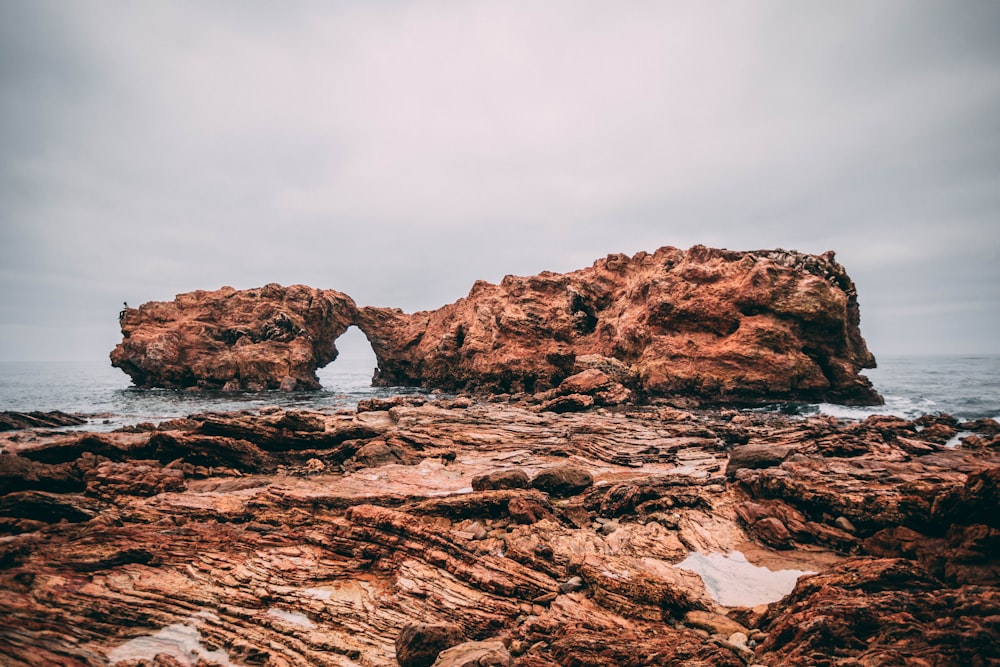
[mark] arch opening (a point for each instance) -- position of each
(354, 366)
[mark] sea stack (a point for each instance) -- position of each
(272, 337)
(716, 326)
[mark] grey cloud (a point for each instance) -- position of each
(400, 151)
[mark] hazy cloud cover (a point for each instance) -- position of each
(399, 151)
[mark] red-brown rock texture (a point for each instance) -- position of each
(713, 324)
(502, 533)
(273, 337)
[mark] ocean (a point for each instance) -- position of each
(967, 387)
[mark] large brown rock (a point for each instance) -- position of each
(272, 337)
(715, 324)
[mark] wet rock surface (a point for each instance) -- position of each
(12, 421)
(416, 532)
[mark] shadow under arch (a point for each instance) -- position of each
(354, 366)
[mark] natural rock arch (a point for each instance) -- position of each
(717, 325)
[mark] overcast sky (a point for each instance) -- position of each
(399, 151)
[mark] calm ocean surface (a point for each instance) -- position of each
(967, 387)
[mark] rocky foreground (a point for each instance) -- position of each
(451, 532)
(716, 326)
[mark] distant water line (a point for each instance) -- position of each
(967, 387)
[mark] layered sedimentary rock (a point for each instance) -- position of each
(714, 324)
(413, 531)
(273, 337)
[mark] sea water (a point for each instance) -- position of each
(964, 386)
(105, 395)
(967, 387)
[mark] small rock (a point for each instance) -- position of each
(295, 420)
(571, 584)
(563, 481)
(738, 638)
(477, 531)
(745, 654)
(608, 528)
(713, 623)
(544, 551)
(501, 479)
(756, 457)
(418, 644)
(475, 654)
(546, 598)
(570, 403)
(377, 453)
(845, 524)
(528, 510)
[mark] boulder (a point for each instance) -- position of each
(418, 644)
(756, 456)
(476, 654)
(563, 481)
(501, 479)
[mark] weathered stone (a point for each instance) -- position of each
(12, 421)
(713, 622)
(418, 644)
(475, 654)
(713, 324)
(563, 481)
(568, 403)
(756, 456)
(501, 479)
(272, 337)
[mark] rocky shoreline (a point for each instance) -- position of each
(574, 506)
(502, 532)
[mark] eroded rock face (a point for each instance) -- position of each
(714, 325)
(273, 337)
(264, 539)
(718, 325)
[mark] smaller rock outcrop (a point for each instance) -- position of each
(272, 337)
(15, 421)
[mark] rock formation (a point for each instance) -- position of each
(714, 325)
(273, 337)
(718, 325)
(264, 539)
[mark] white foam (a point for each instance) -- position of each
(180, 641)
(896, 406)
(732, 581)
(956, 439)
